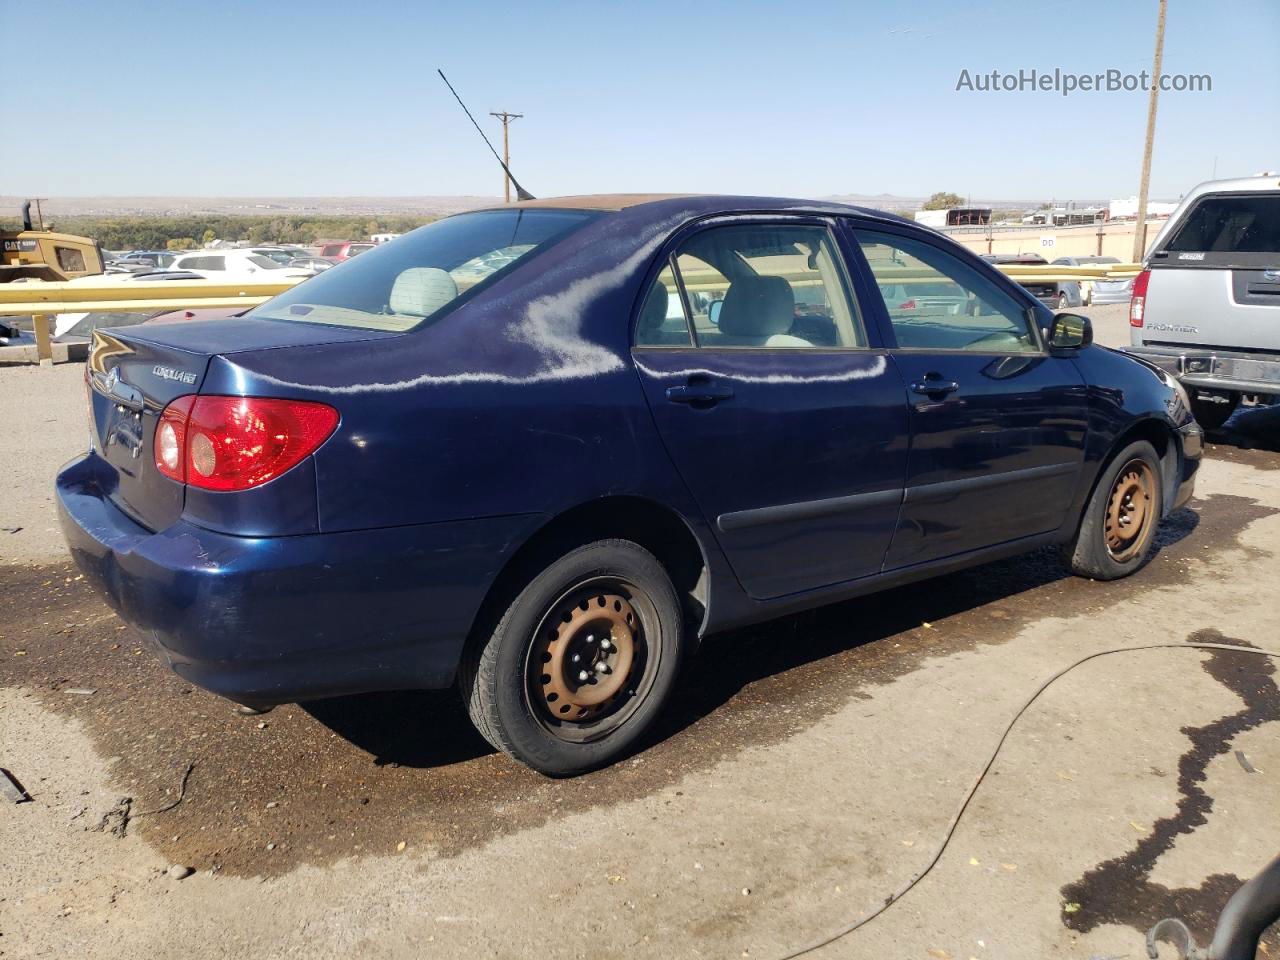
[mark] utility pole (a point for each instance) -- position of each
(506, 119)
(1140, 223)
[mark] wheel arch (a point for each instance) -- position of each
(656, 527)
(1160, 435)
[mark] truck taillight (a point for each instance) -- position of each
(234, 443)
(1138, 302)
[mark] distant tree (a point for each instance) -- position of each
(180, 243)
(944, 201)
(155, 233)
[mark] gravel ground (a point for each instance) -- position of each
(807, 769)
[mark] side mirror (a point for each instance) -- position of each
(713, 312)
(1070, 331)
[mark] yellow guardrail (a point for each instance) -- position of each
(41, 299)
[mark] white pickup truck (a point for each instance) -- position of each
(1206, 306)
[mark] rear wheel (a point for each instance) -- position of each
(1212, 410)
(1063, 301)
(1119, 524)
(582, 661)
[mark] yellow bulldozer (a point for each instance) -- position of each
(32, 252)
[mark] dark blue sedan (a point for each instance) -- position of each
(538, 451)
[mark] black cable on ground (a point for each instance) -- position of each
(893, 898)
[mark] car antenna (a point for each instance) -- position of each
(521, 192)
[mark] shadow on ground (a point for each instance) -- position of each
(270, 793)
(1251, 436)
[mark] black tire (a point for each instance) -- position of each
(1211, 415)
(515, 704)
(1095, 552)
(1063, 301)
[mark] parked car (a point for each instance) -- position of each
(236, 264)
(1099, 291)
(160, 259)
(311, 265)
(68, 327)
(337, 252)
(1207, 305)
(1057, 295)
(281, 254)
(544, 485)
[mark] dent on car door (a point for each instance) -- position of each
(787, 426)
(997, 424)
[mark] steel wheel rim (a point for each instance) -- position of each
(606, 623)
(1131, 511)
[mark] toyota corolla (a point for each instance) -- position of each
(539, 451)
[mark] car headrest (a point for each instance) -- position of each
(758, 307)
(421, 291)
(654, 312)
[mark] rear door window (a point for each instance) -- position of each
(662, 320)
(771, 286)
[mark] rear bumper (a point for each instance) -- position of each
(1216, 369)
(272, 620)
(1102, 297)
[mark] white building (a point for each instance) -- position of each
(1128, 209)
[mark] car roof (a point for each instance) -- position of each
(1237, 185)
(695, 204)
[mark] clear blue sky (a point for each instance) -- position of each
(231, 98)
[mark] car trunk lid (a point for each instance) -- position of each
(135, 372)
(130, 381)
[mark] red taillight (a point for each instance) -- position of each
(1138, 301)
(233, 443)
(169, 444)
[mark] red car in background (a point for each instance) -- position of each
(337, 252)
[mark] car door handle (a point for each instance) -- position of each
(700, 392)
(934, 387)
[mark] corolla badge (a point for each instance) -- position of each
(169, 373)
(1271, 275)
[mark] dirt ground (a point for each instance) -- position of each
(808, 769)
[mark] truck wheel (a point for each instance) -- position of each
(582, 661)
(1211, 414)
(1119, 524)
(1063, 301)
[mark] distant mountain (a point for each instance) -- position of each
(56, 207)
(374, 206)
(892, 201)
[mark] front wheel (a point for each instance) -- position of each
(582, 661)
(1119, 523)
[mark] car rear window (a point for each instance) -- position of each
(1222, 226)
(426, 273)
